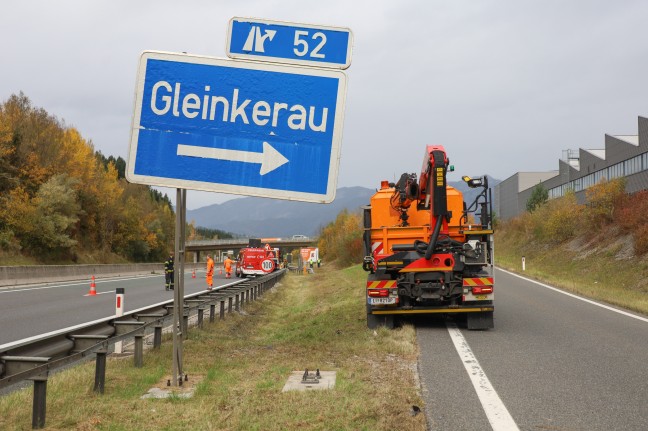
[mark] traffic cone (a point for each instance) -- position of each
(193, 274)
(93, 287)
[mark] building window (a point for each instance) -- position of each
(628, 167)
(632, 166)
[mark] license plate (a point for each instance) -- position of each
(481, 297)
(382, 301)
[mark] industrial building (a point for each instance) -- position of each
(623, 156)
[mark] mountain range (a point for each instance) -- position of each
(264, 218)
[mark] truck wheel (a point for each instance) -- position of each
(376, 320)
(476, 321)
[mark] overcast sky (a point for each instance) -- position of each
(504, 85)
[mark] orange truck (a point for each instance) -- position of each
(426, 250)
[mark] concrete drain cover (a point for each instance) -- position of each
(308, 381)
(162, 393)
(164, 389)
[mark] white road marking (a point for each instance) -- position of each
(100, 293)
(589, 301)
(79, 283)
(497, 414)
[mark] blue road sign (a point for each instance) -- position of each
(284, 42)
(237, 127)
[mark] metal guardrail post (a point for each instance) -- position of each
(100, 372)
(222, 310)
(139, 351)
(40, 403)
(212, 311)
(157, 336)
(236, 303)
(229, 304)
(201, 311)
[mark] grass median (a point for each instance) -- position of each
(240, 365)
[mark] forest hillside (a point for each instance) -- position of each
(63, 202)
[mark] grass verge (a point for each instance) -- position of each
(243, 362)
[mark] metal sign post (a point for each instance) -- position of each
(179, 327)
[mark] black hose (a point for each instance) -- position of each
(433, 240)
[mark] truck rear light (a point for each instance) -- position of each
(480, 290)
(378, 293)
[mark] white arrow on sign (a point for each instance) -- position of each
(270, 159)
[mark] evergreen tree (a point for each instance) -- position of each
(539, 197)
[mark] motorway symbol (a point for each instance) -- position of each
(291, 43)
(239, 127)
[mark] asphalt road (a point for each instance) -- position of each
(38, 309)
(555, 362)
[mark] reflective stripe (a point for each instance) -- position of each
(478, 281)
(377, 247)
(381, 284)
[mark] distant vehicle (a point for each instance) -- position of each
(299, 237)
(255, 260)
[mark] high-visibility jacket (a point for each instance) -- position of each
(210, 272)
(228, 264)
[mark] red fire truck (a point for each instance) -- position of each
(257, 260)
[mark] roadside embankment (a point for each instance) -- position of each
(602, 267)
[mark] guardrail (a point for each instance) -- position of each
(35, 358)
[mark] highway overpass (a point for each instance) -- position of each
(222, 245)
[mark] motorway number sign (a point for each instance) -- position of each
(238, 127)
(283, 42)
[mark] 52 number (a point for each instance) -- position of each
(301, 44)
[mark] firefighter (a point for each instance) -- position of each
(210, 272)
(168, 272)
(228, 267)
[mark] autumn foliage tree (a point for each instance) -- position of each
(341, 240)
(59, 199)
(603, 200)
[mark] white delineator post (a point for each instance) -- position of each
(119, 311)
(523, 264)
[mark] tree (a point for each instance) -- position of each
(539, 196)
(341, 239)
(603, 199)
(57, 211)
